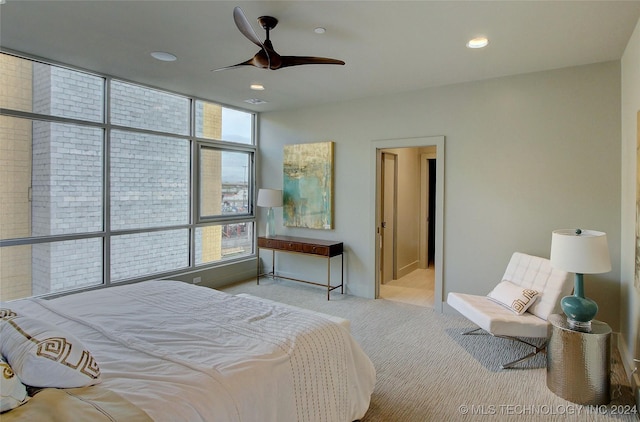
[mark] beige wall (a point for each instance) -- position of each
(629, 295)
(525, 155)
(408, 209)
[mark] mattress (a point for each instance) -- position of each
(185, 352)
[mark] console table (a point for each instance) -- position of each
(326, 249)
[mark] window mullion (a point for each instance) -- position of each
(106, 189)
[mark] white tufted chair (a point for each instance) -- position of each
(529, 272)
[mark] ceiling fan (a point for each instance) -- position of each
(267, 58)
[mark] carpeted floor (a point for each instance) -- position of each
(427, 371)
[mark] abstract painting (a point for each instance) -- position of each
(307, 191)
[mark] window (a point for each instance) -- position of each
(50, 178)
(224, 187)
(149, 180)
(144, 108)
(225, 192)
(146, 253)
(88, 201)
(214, 121)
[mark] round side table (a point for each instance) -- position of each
(578, 363)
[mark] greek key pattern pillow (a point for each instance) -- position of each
(515, 298)
(42, 355)
(7, 313)
(12, 392)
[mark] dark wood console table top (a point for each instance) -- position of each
(301, 245)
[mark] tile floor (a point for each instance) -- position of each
(415, 288)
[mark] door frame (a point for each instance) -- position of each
(392, 246)
(376, 218)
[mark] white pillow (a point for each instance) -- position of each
(513, 297)
(42, 355)
(13, 393)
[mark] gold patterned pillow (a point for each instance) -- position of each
(42, 355)
(13, 393)
(7, 313)
(515, 298)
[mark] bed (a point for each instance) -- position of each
(177, 351)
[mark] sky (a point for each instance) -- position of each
(236, 127)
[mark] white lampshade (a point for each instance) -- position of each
(584, 253)
(269, 198)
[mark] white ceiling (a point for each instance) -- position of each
(388, 46)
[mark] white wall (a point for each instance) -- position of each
(524, 155)
(629, 296)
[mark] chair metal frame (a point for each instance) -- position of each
(538, 349)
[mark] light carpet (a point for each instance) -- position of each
(427, 371)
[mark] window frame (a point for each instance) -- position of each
(198, 216)
(195, 146)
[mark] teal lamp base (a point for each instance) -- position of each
(271, 224)
(579, 310)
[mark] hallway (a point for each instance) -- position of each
(415, 288)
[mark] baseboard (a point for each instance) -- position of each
(627, 359)
(220, 275)
(408, 269)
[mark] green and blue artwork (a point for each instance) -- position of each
(307, 190)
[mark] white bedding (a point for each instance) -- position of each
(189, 353)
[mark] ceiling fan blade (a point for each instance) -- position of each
(261, 60)
(247, 63)
(247, 30)
(300, 60)
(245, 27)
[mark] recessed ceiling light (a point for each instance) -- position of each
(163, 56)
(479, 42)
(255, 101)
(257, 87)
(319, 30)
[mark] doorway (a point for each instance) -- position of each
(406, 192)
(409, 174)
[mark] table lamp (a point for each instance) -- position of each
(580, 252)
(270, 198)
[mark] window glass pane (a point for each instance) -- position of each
(224, 188)
(30, 270)
(149, 180)
(51, 90)
(50, 178)
(214, 121)
(141, 254)
(237, 126)
(145, 108)
(221, 242)
(15, 177)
